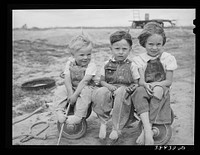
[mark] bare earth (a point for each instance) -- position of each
(43, 53)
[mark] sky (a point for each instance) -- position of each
(96, 17)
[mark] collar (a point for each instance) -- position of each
(147, 57)
(113, 59)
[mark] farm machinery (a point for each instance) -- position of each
(141, 23)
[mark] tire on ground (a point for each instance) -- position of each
(40, 83)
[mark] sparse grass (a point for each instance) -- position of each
(28, 101)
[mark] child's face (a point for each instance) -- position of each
(120, 50)
(83, 57)
(154, 45)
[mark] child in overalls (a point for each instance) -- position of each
(152, 99)
(119, 77)
(78, 81)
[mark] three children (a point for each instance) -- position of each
(115, 100)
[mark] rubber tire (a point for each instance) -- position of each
(83, 125)
(165, 134)
(82, 131)
(133, 25)
(45, 84)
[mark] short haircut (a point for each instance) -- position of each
(150, 29)
(79, 42)
(119, 35)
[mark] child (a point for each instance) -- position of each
(79, 73)
(152, 99)
(118, 76)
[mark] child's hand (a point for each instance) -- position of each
(131, 88)
(72, 99)
(111, 87)
(148, 88)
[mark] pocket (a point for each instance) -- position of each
(110, 73)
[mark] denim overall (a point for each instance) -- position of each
(84, 99)
(120, 75)
(77, 73)
(160, 111)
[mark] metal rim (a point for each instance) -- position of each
(163, 135)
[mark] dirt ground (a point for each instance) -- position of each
(42, 53)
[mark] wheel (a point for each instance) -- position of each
(162, 133)
(73, 131)
(133, 25)
(41, 83)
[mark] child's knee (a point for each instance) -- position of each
(101, 91)
(158, 92)
(86, 91)
(61, 91)
(140, 90)
(120, 90)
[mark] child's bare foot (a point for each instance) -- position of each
(74, 119)
(102, 131)
(140, 139)
(61, 116)
(148, 137)
(113, 135)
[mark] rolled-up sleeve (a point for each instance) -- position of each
(66, 70)
(137, 61)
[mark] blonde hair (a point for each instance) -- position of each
(79, 42)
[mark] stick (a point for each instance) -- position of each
(61, 130)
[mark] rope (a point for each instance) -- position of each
(37, 110)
